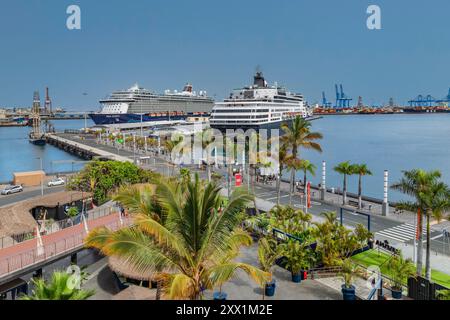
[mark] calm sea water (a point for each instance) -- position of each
(17, 154)
(391, 142)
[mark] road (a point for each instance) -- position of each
(27, 194)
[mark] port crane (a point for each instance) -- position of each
(421, 101)
(342, 100)
(325, 102)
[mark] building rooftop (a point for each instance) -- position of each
(16, 219)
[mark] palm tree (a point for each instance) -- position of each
(361, 170)
(283, 160)
(437, 201)
(307, 166)
(193, 248)
(298, 135)
(421, 185)
(207, 139)
(60, 287)
(140, 199)
(293, 165)
(170, 145)
(346, 169)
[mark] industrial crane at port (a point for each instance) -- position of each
(342, 100)
(325, 102)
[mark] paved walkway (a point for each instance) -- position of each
(243, 288)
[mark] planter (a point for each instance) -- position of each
(221, 296)
(270, 289)
(297, 277)
(304, 274)
(348, 293)
(396, 293)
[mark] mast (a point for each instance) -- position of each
(35, 116)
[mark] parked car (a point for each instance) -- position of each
(12, 189)
(56, 182)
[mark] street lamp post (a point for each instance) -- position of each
(323, 190)
(385, 210)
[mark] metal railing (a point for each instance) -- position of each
(49, 228)
(38, 255)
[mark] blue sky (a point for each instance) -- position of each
(306, 45)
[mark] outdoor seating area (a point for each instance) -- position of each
(22, 218)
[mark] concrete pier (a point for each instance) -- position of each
(81, 150)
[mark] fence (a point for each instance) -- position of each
(49, 228)
(422, 289)
(38, 255)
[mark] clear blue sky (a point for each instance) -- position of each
(306, 45)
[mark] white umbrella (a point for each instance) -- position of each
(40, 245)
(85, 223)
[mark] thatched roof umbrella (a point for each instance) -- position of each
(136, 293)
(127, 270)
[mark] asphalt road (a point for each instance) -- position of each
(27, 194)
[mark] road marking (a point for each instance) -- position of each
(403, 232)
(268, 199)
(437, 237)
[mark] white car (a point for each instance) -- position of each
(56, 182)
(12, 189)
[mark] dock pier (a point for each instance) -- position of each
(81, 150)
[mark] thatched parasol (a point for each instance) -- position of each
(136, 293)
(127, 270)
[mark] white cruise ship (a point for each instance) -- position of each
(258, 107)
(138, 104)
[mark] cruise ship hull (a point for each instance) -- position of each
(264, 126)
(107, 119)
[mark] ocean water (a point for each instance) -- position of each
(17, 154)
(383, 142)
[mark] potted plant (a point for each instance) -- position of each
(268, 253)
(72, 213)
(400, 270)
(348, 271)
(298, 258)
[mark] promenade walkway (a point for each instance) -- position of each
(26, 255)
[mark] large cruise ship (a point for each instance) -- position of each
(259, 106)
(140, 105)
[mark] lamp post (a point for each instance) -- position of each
(385, 209)
(323, 190)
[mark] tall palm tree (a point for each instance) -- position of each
(306, 166)
(417, 184)
(283, 159)
(293, 165)
(361, 170)
(437, 200)
(192, 249)
(58, 288)
(207, 139)
(346, 169)
(298, 135)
